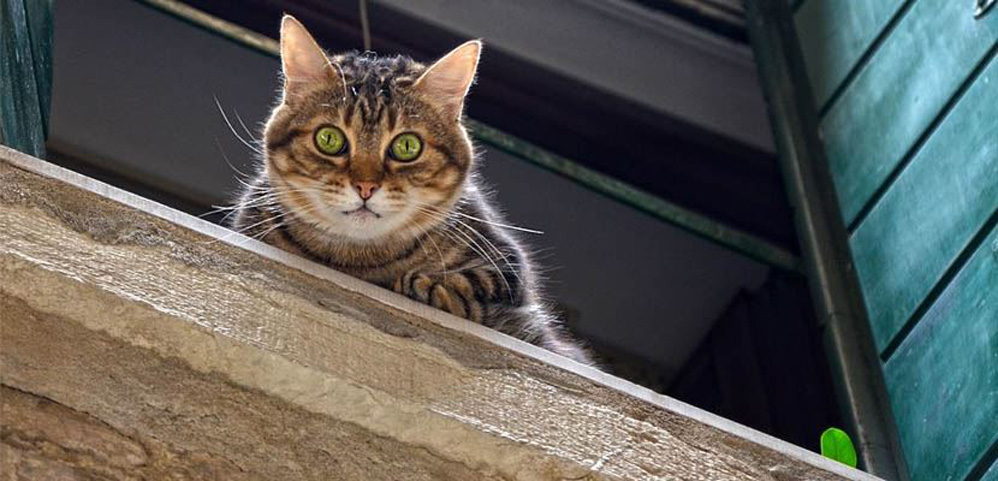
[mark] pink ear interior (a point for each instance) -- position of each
(302, 59)
(447, 81)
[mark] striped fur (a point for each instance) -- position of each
(428, 231)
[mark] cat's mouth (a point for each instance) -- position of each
(362, 212)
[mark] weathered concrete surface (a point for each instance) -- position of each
(139, 343)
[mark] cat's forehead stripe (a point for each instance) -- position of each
(373, 82)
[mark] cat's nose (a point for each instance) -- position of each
(365, 189)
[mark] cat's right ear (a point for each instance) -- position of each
(304, 62)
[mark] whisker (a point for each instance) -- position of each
(481, 253)
(233, 130)
(497, 224)
(245, 229)
(484, 221)
(269, 197)
(443, 264)
(277, 225)
(470, 242)
(495, 249)
(225, 157)
(235, 207)
(246, 130)
(488, 243)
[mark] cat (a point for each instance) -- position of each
(368, 168)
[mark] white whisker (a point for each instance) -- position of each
(469, 242)
(233, 130)
(246, 130)
(484, 221)
(487, 242)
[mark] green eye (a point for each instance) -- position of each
(406, 147)
(330, 140)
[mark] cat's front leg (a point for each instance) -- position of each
(452, 292)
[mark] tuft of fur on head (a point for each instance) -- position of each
(372, 100)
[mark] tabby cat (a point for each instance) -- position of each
(368, 168)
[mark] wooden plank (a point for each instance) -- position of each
(943, 380)
(928, 216)
(899, 93)
(834, 34)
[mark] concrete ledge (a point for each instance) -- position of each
(137, 341)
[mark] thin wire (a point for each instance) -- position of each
(365, 26)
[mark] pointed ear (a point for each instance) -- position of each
(303, 61)
(446, 82)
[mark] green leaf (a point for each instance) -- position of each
(836, 444)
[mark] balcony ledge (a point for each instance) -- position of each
(138, 341)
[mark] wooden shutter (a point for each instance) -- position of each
(903, 98)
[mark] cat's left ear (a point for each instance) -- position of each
(303, 61)
(447, 81)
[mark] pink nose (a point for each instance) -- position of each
(365, 189)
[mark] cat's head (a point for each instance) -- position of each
(368, 148)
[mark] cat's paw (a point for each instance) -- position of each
(451, 293)
(447, 299)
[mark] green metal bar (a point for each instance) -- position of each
(228, 30)
(827, 262)
(682, 217)
(703, 226)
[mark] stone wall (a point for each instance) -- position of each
(137, 342)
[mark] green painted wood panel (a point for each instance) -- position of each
(943, 380)
(899, 93)
(25, 73)
(991, 474)
(834, 34)
(915, 127)
(932, 210)
(40, 29)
